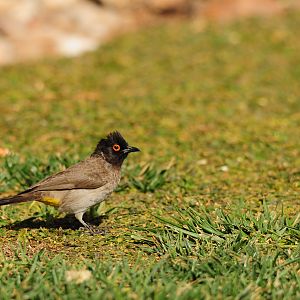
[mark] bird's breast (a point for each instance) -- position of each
(81, 199)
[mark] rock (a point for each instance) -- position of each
(229, 10)
(169, 6)
(78, 276)
(7, 55)
(47, 27)
(58, 4)
(128, 5)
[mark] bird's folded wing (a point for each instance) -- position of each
(84, 175)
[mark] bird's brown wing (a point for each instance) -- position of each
(88, 174)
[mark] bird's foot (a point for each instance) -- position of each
(92, 229)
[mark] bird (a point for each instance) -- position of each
(82, 185)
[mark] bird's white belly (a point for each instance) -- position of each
(89, 197)
(80, 200)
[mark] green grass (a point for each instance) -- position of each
(208, 209)
(202, 255)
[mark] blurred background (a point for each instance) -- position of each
(31, 29)
(208, 87)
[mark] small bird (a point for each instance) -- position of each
(84, 184)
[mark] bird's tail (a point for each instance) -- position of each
(16, 199)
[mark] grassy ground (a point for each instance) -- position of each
(208, 209)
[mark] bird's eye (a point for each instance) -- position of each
(116, 147)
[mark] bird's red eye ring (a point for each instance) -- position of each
(116, 147)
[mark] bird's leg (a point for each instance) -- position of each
(91, 228)
(79, 217)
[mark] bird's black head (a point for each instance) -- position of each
(114, 148)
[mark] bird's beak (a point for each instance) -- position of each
(131, 149)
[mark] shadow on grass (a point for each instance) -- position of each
(68, 222)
